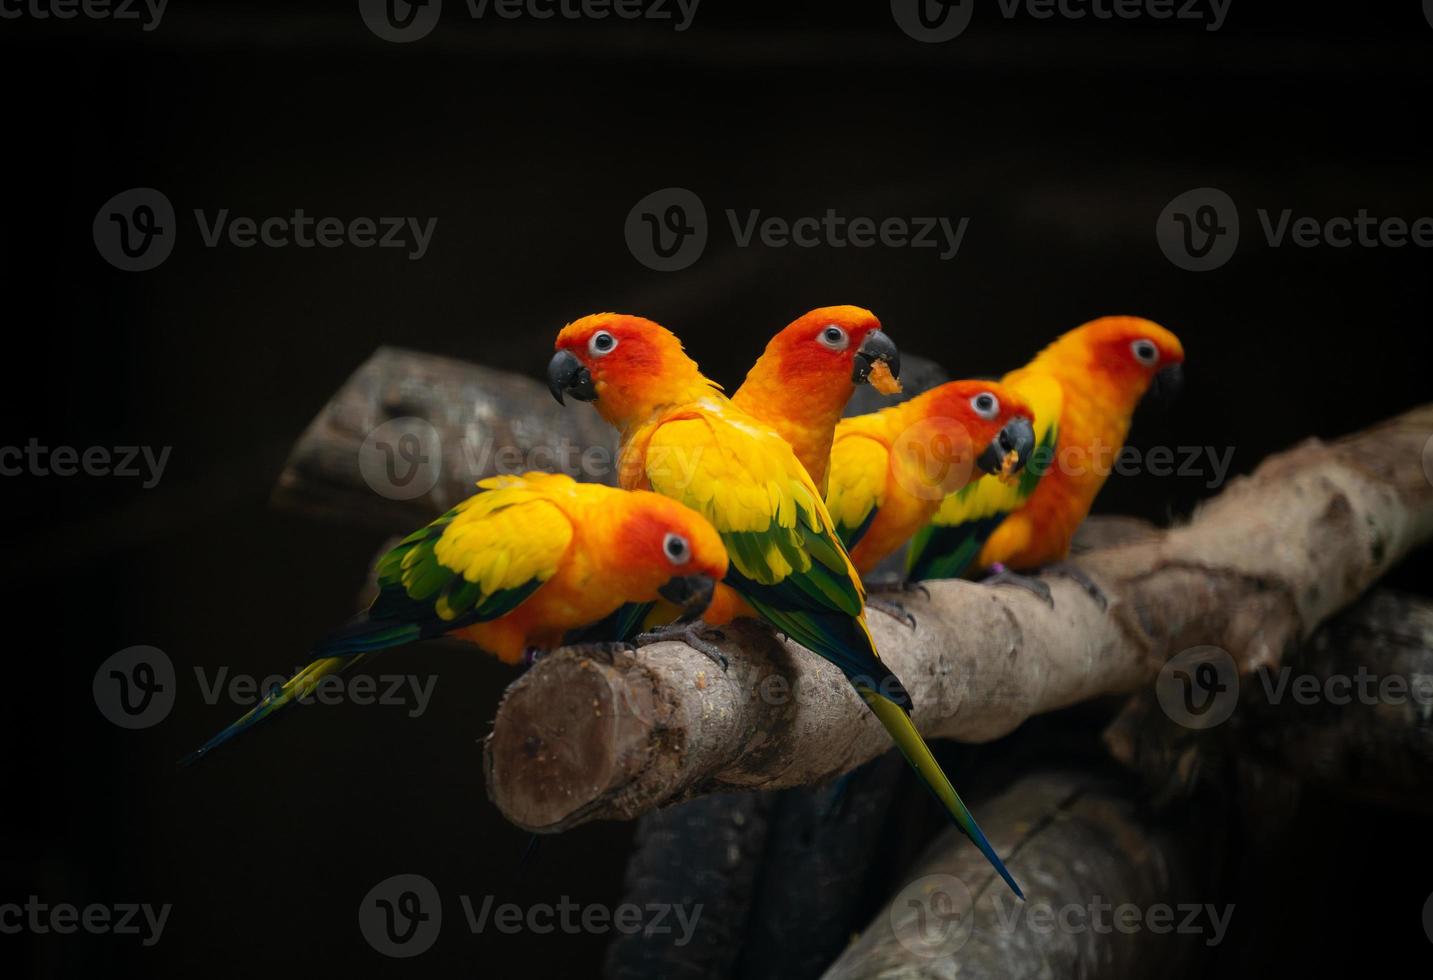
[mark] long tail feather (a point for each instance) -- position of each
(903, 731)
(301, 685)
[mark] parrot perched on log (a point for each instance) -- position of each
(794, 386)
(1083, 388)
(891, 469)
(512, 569)
(681, 437)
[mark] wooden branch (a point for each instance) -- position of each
(1099, 874)
(469, 422)
(587, 736)
(1350, 713)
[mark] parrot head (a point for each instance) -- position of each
(672, 552)
(822, 355)
(998, 421)
(1133, 354)
(628, 366)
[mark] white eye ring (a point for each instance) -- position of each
(676, 548)
(833, 337)
(1145, 352)
(602, 344)
(986, 405)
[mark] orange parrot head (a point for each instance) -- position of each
(821, 356)
(670, 551)
(998, 422)
(1131, 353)
(628, 366)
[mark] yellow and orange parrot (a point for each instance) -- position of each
(891, 469)
(512, 569)
(795, 388)
(1083, 388)
(681, 437)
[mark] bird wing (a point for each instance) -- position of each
(857, 487)
(786, 559)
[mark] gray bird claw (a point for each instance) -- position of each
(689, 633)
(1026, 582)
(891, 608)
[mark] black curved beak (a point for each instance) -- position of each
(877, 347)
(1168, 382)
(1018, 436)
(692, 592)
(567, 376)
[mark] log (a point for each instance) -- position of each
(1351, 713)
(408, 435)
(588, 735)
(1099, 874)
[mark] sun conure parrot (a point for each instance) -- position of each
(512, 569)
(1083, 388)
(891, 469)
(681, 437)
(799, 389)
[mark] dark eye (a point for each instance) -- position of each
(1145, 352)
(834, 337)
(601, 343)
(676, 548)
(986, 405)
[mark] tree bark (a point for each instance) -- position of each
(587, 736)
(1098, 873)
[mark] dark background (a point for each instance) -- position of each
(529, 142)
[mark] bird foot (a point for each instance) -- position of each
(899, 586)
(689, 633)
(891, 608)
(1076, 574)
(1000, 575)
